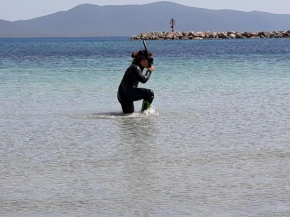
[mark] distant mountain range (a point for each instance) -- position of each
(128, 20)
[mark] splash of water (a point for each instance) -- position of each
(113, 115)
(150, 112)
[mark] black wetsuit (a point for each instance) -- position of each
(128, 90)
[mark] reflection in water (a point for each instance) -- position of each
(138, 136)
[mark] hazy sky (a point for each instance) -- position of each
(25, 9)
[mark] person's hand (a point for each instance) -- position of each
(151, 69)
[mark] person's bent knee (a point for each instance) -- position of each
(151, 93)
(150, 96)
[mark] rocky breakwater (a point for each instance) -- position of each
(209, 35)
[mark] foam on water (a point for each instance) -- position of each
(150, 112)
(114, 115)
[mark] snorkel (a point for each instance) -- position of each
(149, 59)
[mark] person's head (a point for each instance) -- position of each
(140, 57)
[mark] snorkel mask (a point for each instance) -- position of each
(149, 59)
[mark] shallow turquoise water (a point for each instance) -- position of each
(219, 145)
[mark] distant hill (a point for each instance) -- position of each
(128, 20)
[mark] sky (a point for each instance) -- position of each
(13, 10)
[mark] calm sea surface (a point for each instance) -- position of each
(216, 144)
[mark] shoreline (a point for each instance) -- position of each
(209, 35)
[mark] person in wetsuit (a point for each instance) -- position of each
(128, 90)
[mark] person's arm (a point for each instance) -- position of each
(143, 78)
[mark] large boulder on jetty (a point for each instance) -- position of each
(239, 35)
(162, 35)
(272, 35)
(200, 34)
(266, 34)
(261, 33)
(246, 34)
(211, 36)
(191, 34)
(144, 35)
(169, 35)
(254, 34)
(185, 34)
(179, 35)
(232, 32)
(286, 34)
(232, 36)
(222, 35)
(206, 35)
(280, 34)
(195, 34)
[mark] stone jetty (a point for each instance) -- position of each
(209, 35)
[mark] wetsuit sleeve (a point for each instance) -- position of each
(143, 78)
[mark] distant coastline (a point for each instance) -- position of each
(209, 35)
(88, 20)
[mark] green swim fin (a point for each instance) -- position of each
(146, 105)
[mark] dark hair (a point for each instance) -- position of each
(139, 55)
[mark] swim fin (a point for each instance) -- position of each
(146, 105)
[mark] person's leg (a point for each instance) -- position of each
(136, 94)
(127, 107)
(147, 100)
(146, 94)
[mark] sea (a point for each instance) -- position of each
(215, 143)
